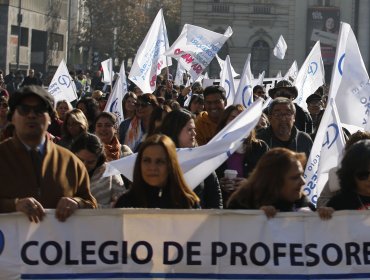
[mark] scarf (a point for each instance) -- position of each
(134, 134)
(113, 150)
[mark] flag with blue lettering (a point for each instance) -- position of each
(244, 94)
(62, 86)
(114, 103)
(310, 77)
(227, 81)
(325, 153)
(206, 157)
(196, 47)
(351, 85)
(150, 58)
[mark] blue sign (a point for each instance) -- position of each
(64, 80)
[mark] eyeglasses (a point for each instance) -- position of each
(362, 175)
(280, 115)
(4, 105)
(24, 109)
(142, 104)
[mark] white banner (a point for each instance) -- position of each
(310, 77)
(227, 81)
(108, 72)
(196, 47)
(185, 244)
(150, 58)
(114, 103)
(292, 73)
(62, 86)
(222, 64)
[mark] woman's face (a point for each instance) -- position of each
(105, 130)
(362, 179)
(143, 109)
(62, 109)
(233, 115)
(130, 104)
(293, 182)
(88, 158)
(329, 24)
(196, 107)
(187, 135)
(154, 166)
(73, 127)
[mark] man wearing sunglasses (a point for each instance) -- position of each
(35, 173)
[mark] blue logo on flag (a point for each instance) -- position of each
(113, 106)
(243, 96)
(312, 68)
(340, 64)
(2, 242)
(335, 135)
(64, 80)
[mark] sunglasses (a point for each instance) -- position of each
(362, 175)
(4, 105)
(24, 109)
(142, 104)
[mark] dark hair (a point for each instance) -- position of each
(258, 87)
(124, 100)
(355, 137)
(267, 179)
(157, 115)
(196, 98)
(174, 122)
(356, 158)
(215, 90)
(92, 108)
(178, 192)
(108, 115)
(148, 98)
(90, 142)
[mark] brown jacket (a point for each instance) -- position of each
(62, 175)
(205, 128)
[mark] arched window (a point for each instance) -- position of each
(260, 58)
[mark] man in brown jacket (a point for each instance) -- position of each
(35, 173)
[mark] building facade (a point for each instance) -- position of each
(258, 24)
(40, 42)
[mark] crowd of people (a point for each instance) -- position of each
(54, 155)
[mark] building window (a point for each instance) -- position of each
(56, 42)
(220, 7)
(24, 34)
(262, 9)
(260, 58)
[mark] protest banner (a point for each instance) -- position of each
(185, 244)
(62, 86)
(292, 73)
(280, 48)
(195, 48)
(222, 63)
(150, 58)
(244, 94)
(108, 72)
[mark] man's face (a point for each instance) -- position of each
(315, 106)
(214, 105)
(31, 73)
(31, 119)
(282, 120)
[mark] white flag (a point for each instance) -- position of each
(179, 78)
(108, 72)
(351, 80)
(261, 76)
(278, 76)
(114, 103)
(280, 48)
(196, 47)
(325, 153)
(310, 77)
(227, 81)
(244, 94)
(292, 73)
(62, 86)
(150, 58)
(221, 62)
(206, 157)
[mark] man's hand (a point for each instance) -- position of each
(65, 208)
(31, 207)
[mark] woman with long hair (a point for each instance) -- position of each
(90, 151)
(74, 125)
(90, 107)
(128, 105)
(180, 127)
(158, 180)
(62, 107)
(276, 185)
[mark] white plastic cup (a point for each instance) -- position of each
(230, 174)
